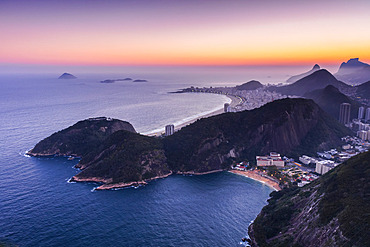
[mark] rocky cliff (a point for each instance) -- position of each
(331, 211)
(81, 138)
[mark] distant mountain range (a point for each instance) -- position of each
(353, 72)
(330, 98)
(295, 78)
(333, 210)
(317, 80)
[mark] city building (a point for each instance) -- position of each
(226, 107)
(307, 160)
(367, 116)
(273, 159)
(362, 134)
(361, 112)
(169, 130)
(324, 166)
(345, 113)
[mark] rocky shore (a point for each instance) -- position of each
(199, 173)
(108, 185)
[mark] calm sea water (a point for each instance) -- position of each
(38, 207)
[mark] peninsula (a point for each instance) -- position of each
(117, 156)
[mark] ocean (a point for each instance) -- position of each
(38, 207)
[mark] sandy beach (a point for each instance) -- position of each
(255, 176)
(234, 101)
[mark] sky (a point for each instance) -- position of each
(183, 32)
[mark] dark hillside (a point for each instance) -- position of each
(331, 211)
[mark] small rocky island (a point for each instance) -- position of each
(112, 152)
(140, 80)
(115, 80)
(67, 76)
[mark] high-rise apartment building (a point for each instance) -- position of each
(169, 130)
(361, 112)
(345, 113)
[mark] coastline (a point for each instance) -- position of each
(234, 101)
(199, 173)
(255, 176)
(108, 185)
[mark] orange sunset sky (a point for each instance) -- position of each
(219, 32)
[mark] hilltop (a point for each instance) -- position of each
(81, 138)
(331, 211)
(295, 78)
(317, 80)
(330, 98)
(251, 85)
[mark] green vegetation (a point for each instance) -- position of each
(81, 138)
(339, 198)
(346, 197)
(126, 157)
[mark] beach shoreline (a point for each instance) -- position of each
(257, 177)
(234, 101)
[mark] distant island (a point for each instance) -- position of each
(67, 76)
(125, 79)
(115, 80)
(115, 155)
